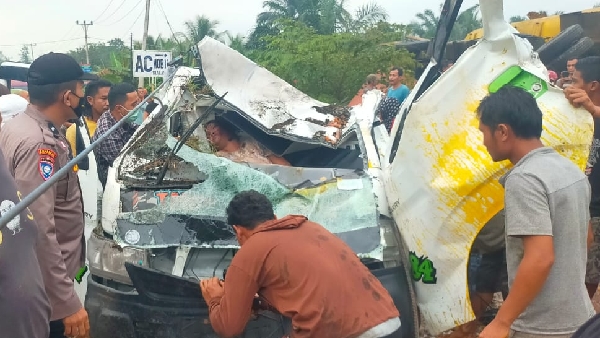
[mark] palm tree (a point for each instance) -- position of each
(201, 26)
(325, 16)
(237, 42)
(466, 22)
(305, 11)
(366, 16)
(260, 31)
(426, 24)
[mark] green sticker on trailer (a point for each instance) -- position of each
(517, 77)
(422, 269)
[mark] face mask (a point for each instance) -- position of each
(80, 108)
(133, 117)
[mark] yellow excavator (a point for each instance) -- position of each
(556, 39)
(566, 36)
(548, 27)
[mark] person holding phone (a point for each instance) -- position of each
(566, 77)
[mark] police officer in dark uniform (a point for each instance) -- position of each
(34, 150)
(24, 307)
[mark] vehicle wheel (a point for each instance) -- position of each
(560, 43)
(405, 261)
(535, 41)
(577, 50)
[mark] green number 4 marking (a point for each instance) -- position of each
(422, 269)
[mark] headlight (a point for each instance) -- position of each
(107, 260)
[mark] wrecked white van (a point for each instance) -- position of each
(163, 210)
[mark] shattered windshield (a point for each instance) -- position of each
(200, 185)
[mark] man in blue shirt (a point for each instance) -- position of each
(396, 94)
(397, 90)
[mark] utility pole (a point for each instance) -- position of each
(85, 31)
(132, 60)
(31, 45)
(145, 36)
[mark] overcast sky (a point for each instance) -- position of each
(51, 23)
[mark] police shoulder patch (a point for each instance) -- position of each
(46, 168)
(47, 153)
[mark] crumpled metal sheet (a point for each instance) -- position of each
(442, 185)
(268, 101)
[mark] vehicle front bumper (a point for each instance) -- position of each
(118, 314)
(164, 306)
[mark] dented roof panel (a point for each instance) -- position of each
(268, 101)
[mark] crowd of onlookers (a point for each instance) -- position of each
(394, 93)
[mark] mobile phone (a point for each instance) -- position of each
(564, 74)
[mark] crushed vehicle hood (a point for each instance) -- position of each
(268, 101)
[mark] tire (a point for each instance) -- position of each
(560, 43)
(535, 41)
(582, 46)
(414, 314)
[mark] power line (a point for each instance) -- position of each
(133, 24)
(113, 13)
(68, 32)
(104, 11)
(42, 42)
(126, 15)
(167, 19)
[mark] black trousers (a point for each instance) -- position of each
(57, 329)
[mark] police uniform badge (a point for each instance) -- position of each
(46, 163)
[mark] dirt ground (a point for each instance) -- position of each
(497, 303)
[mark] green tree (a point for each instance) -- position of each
(119, 69)
(260, 31)
(331, 67)
(324, 16)
(466, 22)
(201, 26)
(517, 18)
(25, 57)
(426, 23)
(305, 11)
(366, 16)
(101, 53)
(3, 57)
(236, 42)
